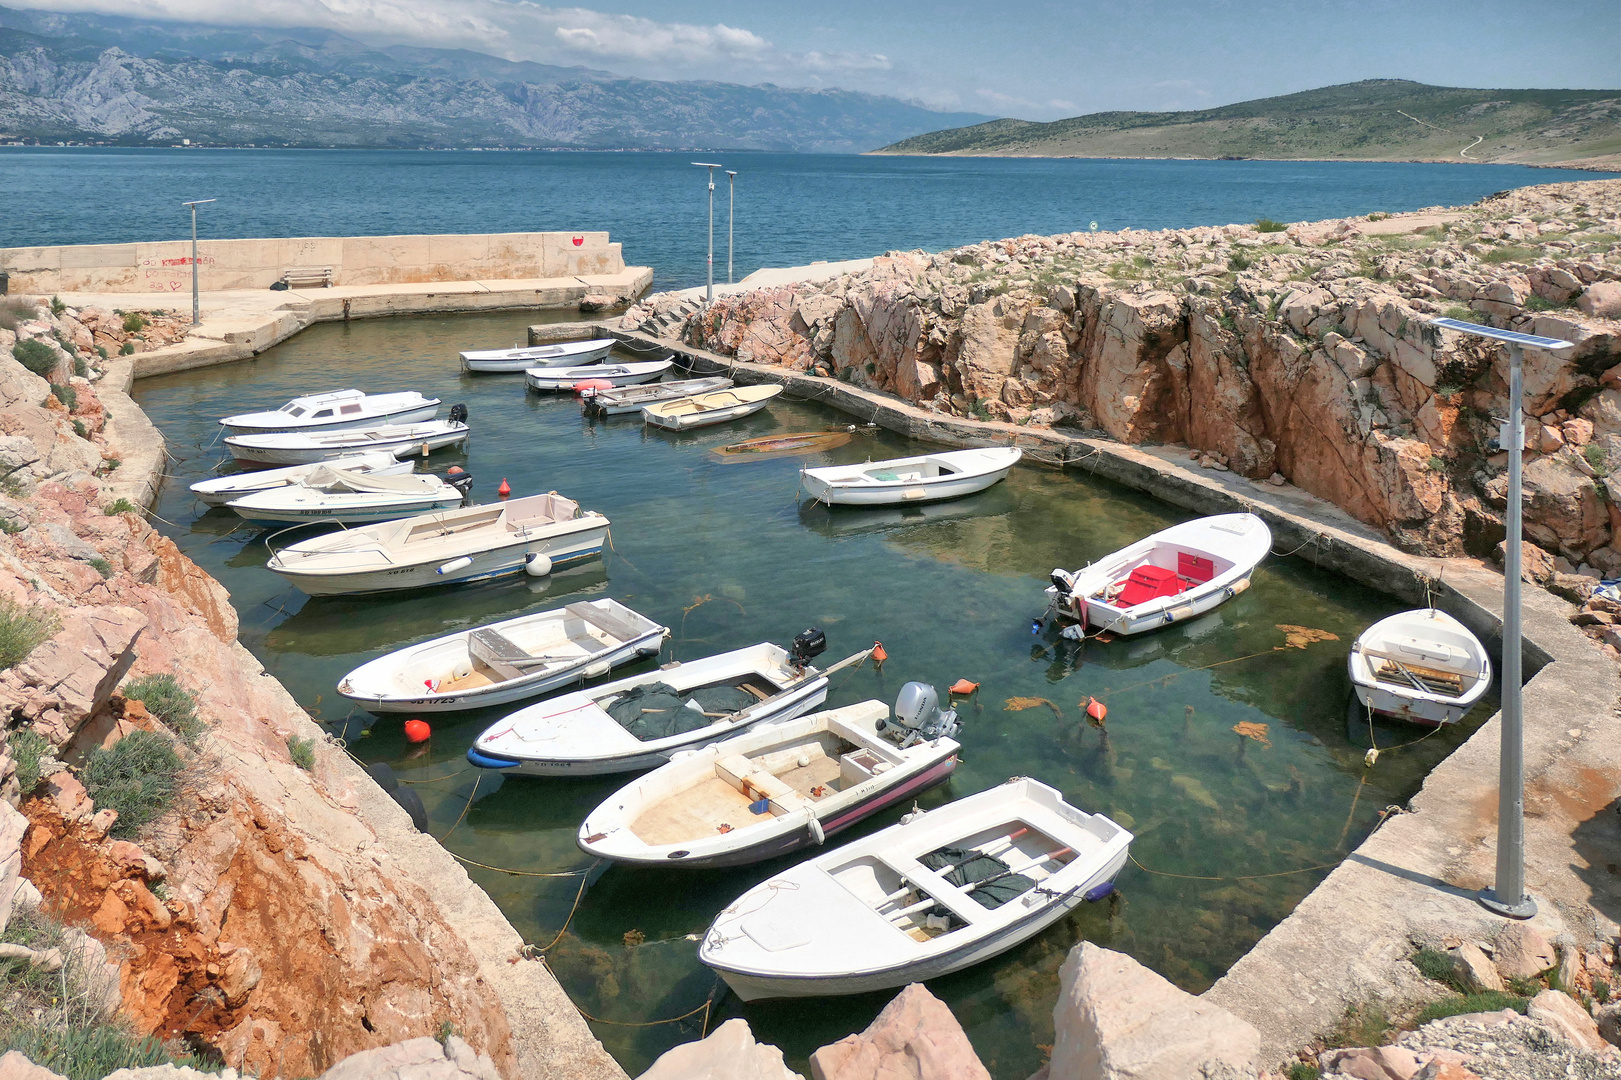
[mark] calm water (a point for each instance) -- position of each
(791, 208)
(725, 555)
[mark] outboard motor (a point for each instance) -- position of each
(459, 479)
(1064, 582)
(458, 413)
(807, 646)
(918, 716)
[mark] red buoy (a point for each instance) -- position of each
(417, 731)
(505, 489)
(1096, 709)
(878, 653)
(593, 384)
(963, 687)
(454, 470)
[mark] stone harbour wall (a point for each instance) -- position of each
(166, 267)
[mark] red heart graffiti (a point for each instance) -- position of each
(578, 240)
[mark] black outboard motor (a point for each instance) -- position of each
(807, 646)
(458, 413)
(461, 480)
(919, 717)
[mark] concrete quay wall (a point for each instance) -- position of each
(165, 267)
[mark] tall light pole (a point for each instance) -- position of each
(711, 167)
(731, 208)
(196, 310)
(1508, 896)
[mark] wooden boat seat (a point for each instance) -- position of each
(755, 783)
(615, 628)
(500, 653)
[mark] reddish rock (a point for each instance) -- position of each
(914, 1036)
(1560, 1013)
(1521, 952)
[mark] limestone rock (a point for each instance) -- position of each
(1371, 1063)
(1601, 299)
(914, 1036)
(75, 671)
(1475, 969)
(1116, 1020)
(14, 1066)
(729, 1053)
(416, 1059)
(1560, 1013)
(1608, 1019)
(1522, 952)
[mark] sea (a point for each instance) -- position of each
(779, 210)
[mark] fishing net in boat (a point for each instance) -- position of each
(965, 866)
(658, 710)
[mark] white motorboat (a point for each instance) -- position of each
(1174, 575)
(1423, 666)
(505, 661)
(924, 478)
(715, 407)
(564, 353)
(939, 892)
(778, 787)
(531, 534)
(300, 448)
(635, 398)
(640, 722)
(340, 410)
(222, 489)
(566, 378)
(331, 494)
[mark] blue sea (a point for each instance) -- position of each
(791, 209)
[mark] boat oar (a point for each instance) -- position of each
(853, 658)
(971, 886)
(988, 851)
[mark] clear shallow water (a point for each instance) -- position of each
(792, 209)
(723, 554)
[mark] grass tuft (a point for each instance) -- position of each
(27, 748)
(102, 567)
(1459, 1004)
(36, 356)
(16, 310)
(170, 702)
(1362, 1025)
(22, 630)
(1512, 253)
(134, 322)
(1268, 225)
(1596, 457)
(1301, 1071)
(121, 506)
(139, 777)
(302, 752)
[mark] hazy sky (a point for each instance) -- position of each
(1026, 58)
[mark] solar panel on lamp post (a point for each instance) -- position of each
(731, 208)
(1507, 896)
(710, 296)
(196, 310)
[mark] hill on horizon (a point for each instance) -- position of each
(1377, 119)
(128, 81)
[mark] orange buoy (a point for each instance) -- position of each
(1096, 709)
(505, 489)
(964, 687)
(417, 731)
(454, 470)
(593, 384)
(878, 653)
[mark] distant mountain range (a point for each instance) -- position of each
(1379, 119)
(92, 78)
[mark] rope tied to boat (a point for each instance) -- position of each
(1241, 877)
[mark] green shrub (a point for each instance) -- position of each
(102, 567)
(79, 429)
(27, 747)
(133, 322)
(1596, 457)
(1378, 215)
(127, 350)
(121, 506)
(101, 351)
(89, 1053)
(170, 702)
(1512, 253)
(22, 630)
(1601, 991)
(16, 310)
(1268, 225)
(66, 395)
(1433, 963)
(1461, 312)
(57, 307)
(1301, 1071)
(139, 777)
(36, 356)
(80, 368)
(1459, 1004)
(1239, 261)
(303, 752)
(1362, 1025)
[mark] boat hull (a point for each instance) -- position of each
(355, 515)
(309, 455)
(704, 419)
(410, 415)
(1101, 617)
(757, 986)
(1400, 707)
(563, 379)
(949, 487)
(605, 405)
(562, 549)
(523, 363)
(225, 489)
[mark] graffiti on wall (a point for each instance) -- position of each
(171, 275)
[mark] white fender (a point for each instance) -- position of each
(537, 564)
(454, 565)
(815, 826)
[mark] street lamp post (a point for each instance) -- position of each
(711, 167)
(1508, 896)
(196, 310)
(731, 208)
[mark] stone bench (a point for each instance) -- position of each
(294, 276)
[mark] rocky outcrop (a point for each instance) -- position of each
(728, 1053)
(1306, 352)
(914, 1036)
(1117, 1020)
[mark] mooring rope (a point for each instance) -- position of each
(1242, 877)
(471, 795)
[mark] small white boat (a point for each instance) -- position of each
(1423, 666)
(939, 892)
(575, 353)
(925, 478)
(565, 378)
(300, 448)
(222, 489)
(715, 407)
(505, 661)
(339, 410)
(778, 787)
(532, 534)
(636, 398)
(335, 495)
(1172, 576)
(640, 722)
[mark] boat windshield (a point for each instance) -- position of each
(293, 410)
